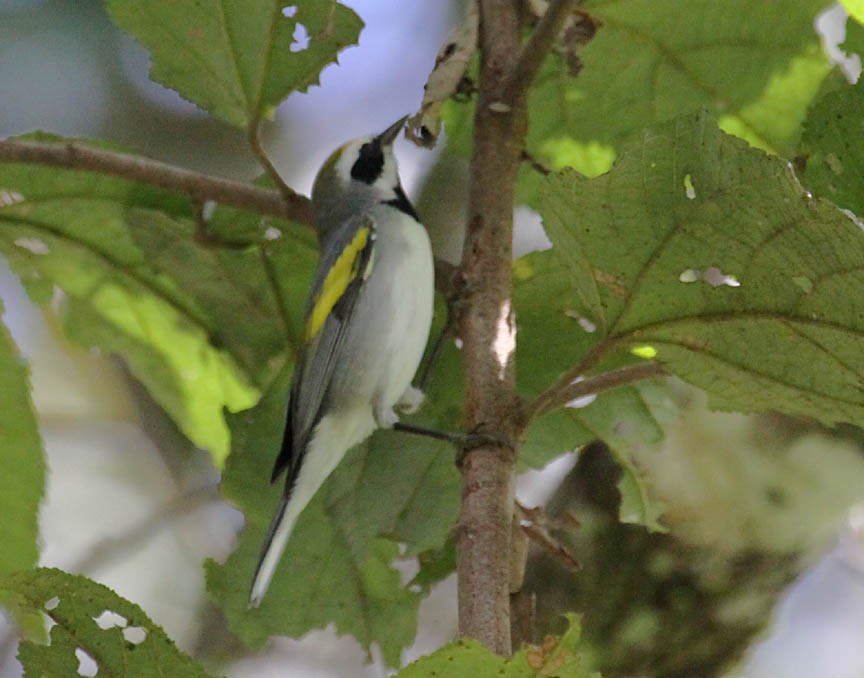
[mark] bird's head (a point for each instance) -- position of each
(355, 177)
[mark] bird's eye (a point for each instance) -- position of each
(369, 164)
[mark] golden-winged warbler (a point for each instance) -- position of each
(367, 324)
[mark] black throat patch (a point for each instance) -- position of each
(401, 203)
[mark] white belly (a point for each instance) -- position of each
(391, 322)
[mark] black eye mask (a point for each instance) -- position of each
(369, 165)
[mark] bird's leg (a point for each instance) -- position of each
(464, 441)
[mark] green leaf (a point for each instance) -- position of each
(559, 657)
(22, 465)
(72, 230)
(435, 566)
(665, 62)
(547, 306)
(650, 61)
(238, 58)
(229, 286)
(833, 149)
(709, 254)
(90, 617)
(854, 42)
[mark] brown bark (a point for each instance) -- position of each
(488, 327)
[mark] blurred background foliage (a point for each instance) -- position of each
(749, 502)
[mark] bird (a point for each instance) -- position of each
(367, 322)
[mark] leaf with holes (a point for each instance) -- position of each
(708, 255)
(92, 623)
(238, 58)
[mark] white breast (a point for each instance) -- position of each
(391, 323)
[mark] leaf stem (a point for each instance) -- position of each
(255, 143)
(567, 389)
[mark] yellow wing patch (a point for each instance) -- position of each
(343, 272)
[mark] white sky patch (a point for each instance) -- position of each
(854, 217)
(505, 338)
(109, 619)
(87, 666)
(587, 325)
(856, 519)
(536, 486)
(301, 39)
(715, 277)
(135, 634)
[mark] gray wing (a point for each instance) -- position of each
(328, 314)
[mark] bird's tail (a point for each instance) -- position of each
(333, 436)
(271, 552)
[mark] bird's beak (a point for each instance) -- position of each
(388, 136)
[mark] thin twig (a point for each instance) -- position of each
(77, 156)
(562, 393)
(540, 43)
(535, 164)
(255, 143)
(535, 524)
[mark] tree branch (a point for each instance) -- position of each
(535, 51)
(487, 321)
(77, 156)
(487, 326)
(564, 392)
